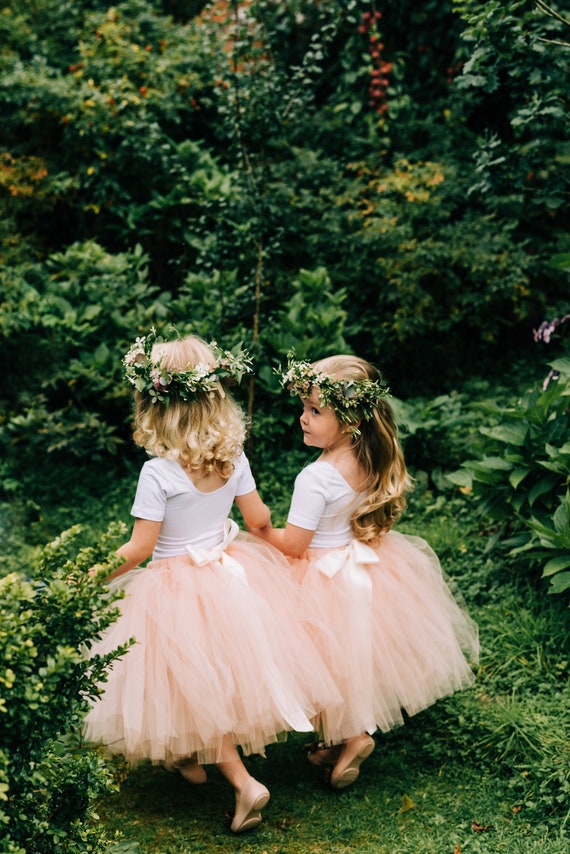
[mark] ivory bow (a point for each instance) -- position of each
(355, 553)
(217, 554)
(354, 557)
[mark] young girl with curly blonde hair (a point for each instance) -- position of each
(220, 658)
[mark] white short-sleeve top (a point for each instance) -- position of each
(323, 502)
(166, 494)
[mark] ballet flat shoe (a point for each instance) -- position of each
(249, 803)
(188, 768)
(347, 768)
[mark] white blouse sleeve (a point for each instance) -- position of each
(151, 494)
(246, 482)
(308, 501)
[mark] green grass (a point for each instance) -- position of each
(495, 756)
(402, 803)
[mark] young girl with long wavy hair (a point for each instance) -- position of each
(221, 659)
(391, 632)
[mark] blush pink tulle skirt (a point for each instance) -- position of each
(391, 632)
(220, 650)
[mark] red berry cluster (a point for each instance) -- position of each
(380, 69)
(453, 71)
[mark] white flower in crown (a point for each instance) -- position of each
(136, 354)
(202, 371)
(349, 390)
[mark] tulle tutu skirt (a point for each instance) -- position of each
(390, 630)
(220, 649)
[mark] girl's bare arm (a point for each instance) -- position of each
(139, 547)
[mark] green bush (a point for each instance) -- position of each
(522, 149)
(521, 475)
(50, 616)
(254, 141)
(115, 90)
(63, 323)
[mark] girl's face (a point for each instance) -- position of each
(321, 428)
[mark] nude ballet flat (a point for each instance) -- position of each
(189, 769)
(249, 803)
(347, 768)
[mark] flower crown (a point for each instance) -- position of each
(350, 399)
(162, 385)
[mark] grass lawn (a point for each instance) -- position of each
(453, 780)
(485, 771)
(402, 804)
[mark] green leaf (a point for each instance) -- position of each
(560, 261)
(517, 476)
(127, 847)
(562, 365)
(543, 486)
(511, 434)
(561, 519)
(461, 477)
(560, 583)
(518, 502)
(555, 564)
(492, 464)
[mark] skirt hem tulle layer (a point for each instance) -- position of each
(359, 639)
(391, 630)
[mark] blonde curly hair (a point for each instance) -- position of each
(378, 451)
(207, 434)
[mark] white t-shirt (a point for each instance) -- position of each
(166, 494)
(323, 502)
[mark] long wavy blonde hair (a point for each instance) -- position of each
(207, 434)
(379, 453)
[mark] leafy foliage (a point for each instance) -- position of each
(49, 782)
(523, 150)
(62, 322)
(240, 143)
(521, 476)
(272, 173)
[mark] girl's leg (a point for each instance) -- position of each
(251, 796)
(189, 768)
(321, 754)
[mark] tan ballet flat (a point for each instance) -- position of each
(347, 768)
(249, 803)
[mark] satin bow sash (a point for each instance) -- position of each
(357, 631)
(353, 559)
(217, 554)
